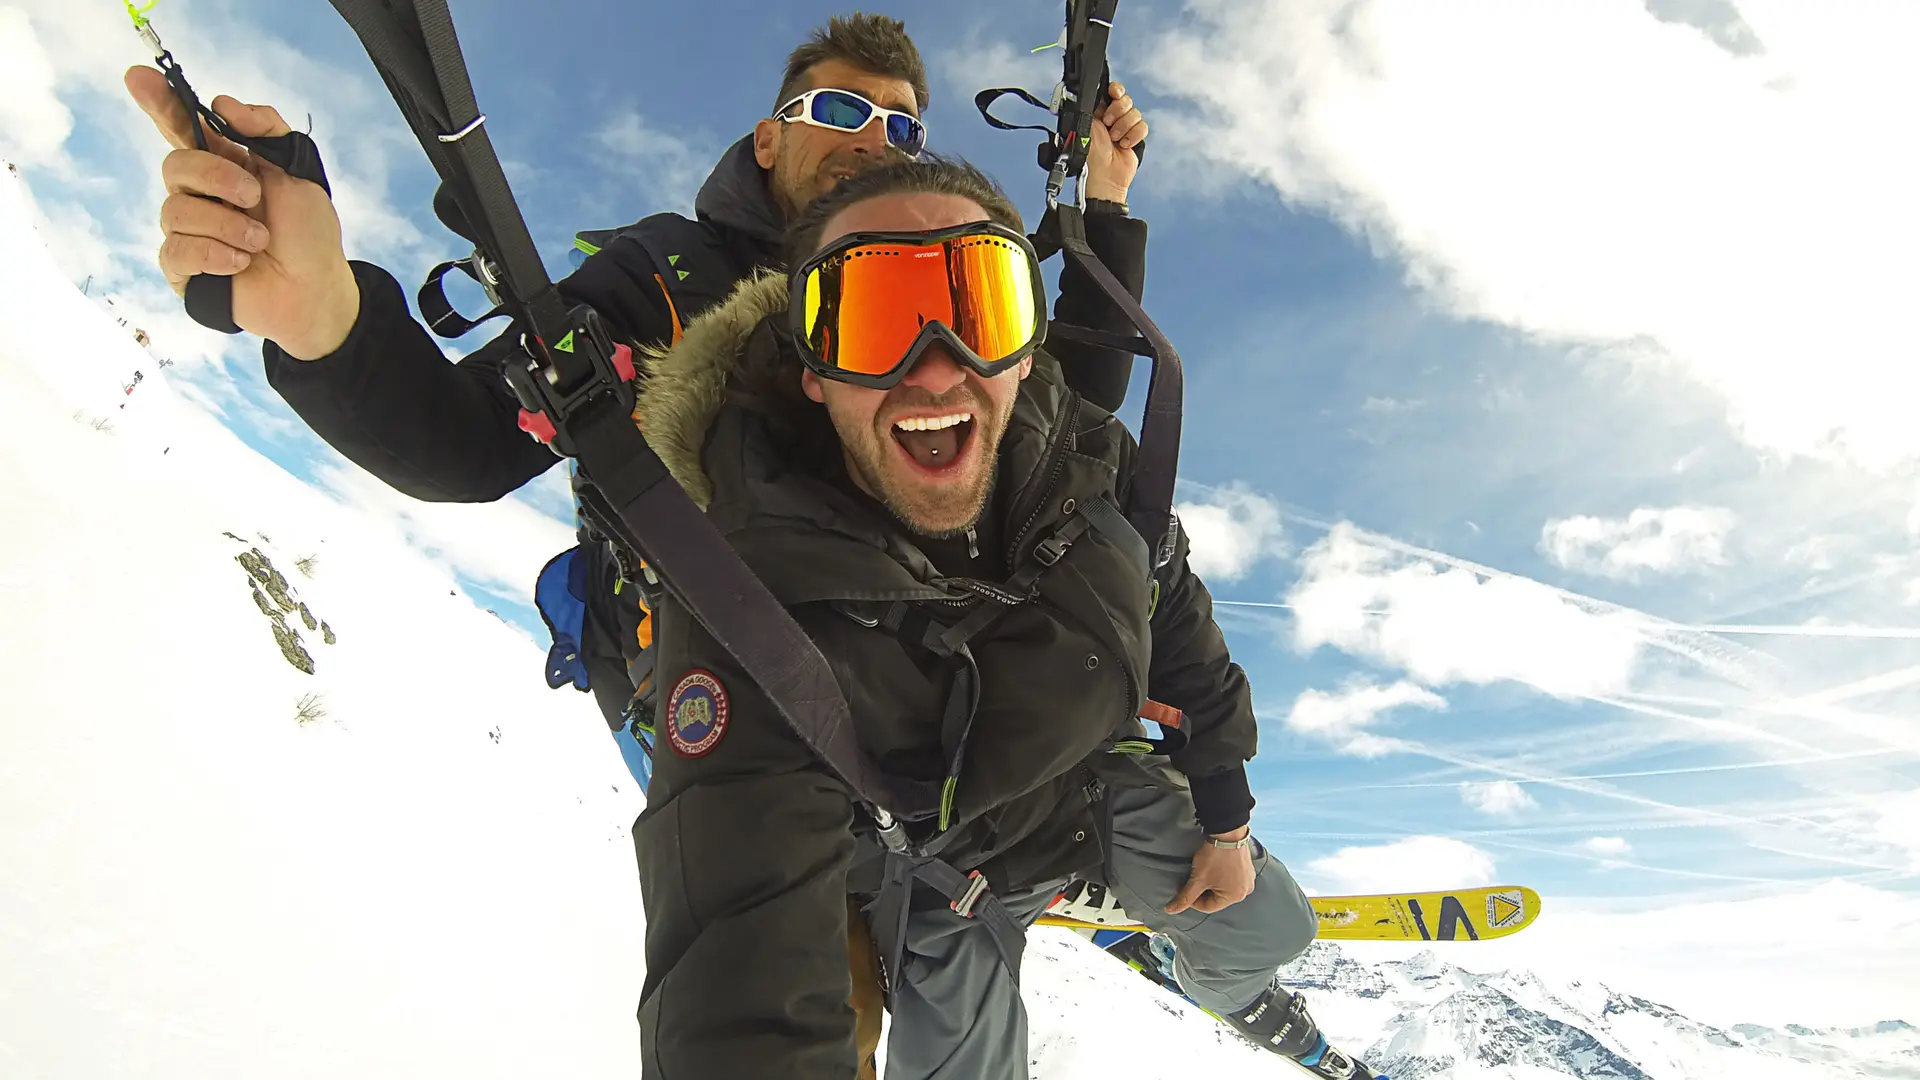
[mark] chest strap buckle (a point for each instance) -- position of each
(962, 905)
(1052, 549)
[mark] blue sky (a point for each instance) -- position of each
(1507, 374)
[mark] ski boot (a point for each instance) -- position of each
(1277, 1020)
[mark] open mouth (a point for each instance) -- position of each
(934, 443)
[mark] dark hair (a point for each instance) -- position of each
(872, 43)
(930, 175)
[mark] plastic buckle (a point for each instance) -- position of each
(546, 407)
(976, 888)
(1051, 550)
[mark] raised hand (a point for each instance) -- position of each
(278, 237)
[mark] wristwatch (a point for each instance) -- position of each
(1245, 841)
(1106, 206)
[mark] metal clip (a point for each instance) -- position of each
(1169, 542)
(976, 888)
(485, 275)
(892, 833)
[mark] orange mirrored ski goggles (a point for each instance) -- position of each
(865, 308)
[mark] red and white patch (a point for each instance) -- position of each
(696, 714)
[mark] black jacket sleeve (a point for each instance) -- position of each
(389, 401)
(743, 853)
(1100, 374)
(1193, 671)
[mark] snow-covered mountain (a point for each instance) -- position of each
(1426, 1018)
(1451, 1023)
(278, 800)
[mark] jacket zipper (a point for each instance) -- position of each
(1057, 460)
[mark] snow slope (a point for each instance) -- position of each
(193, 883)
(433, 876)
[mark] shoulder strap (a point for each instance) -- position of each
(1081, 93)
(577, 395)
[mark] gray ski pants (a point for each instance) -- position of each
(958, 1015)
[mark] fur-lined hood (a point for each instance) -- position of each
(686, 383)
(736, 466)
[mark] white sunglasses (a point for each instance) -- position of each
(844, 110)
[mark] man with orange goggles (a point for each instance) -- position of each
(885, 440)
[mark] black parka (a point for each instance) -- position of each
(389, 401)
(748, 841)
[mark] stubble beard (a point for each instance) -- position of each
(934, 512)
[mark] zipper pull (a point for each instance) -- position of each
(973, 544)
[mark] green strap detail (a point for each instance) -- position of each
(565, 344)
(578, 243)
(139, 14)
(1132, 746)
(946, 801)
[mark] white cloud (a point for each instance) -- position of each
(1899, 825)
(1230, 531)
(1358, 594)
(1718, 19)
(1612, 846)
(1500, 798)
(361, 135)
(667, 167)
(1341, 718)
(1669, 541)
(1389, 405)
(976, 64)
(1422, 863)
(1591, 173)
(34, 125)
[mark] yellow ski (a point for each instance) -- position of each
(1457, 915)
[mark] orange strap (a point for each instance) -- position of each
(1165, 715)
(671, 310)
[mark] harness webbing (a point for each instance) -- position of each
(1082, 93)
(576, 391)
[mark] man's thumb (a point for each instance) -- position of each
(251, 120)
(1193, 891)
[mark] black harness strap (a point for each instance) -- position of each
(966, 894)
(1150, 500)
(578, 397)
(576, 390)
(1085, 76)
